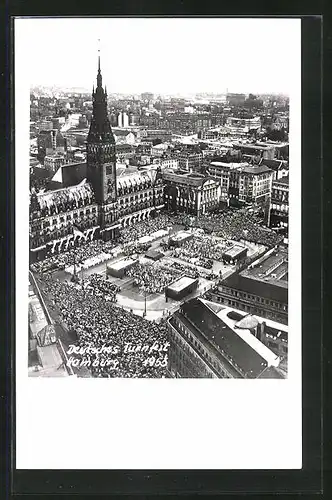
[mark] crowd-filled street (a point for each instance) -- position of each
(102, 310)
(118, 334)
(233, 225)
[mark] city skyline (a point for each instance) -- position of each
(55, 89)
(139, 55)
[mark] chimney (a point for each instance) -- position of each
(262, 333)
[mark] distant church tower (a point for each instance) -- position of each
(101, 161)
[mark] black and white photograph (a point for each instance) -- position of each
(160, 200)
(158, 220)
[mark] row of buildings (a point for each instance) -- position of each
(239, 329)
(139, 194)
(99, 196)
(209, 341)
(156, 144)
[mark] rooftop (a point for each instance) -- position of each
(121, 132)
(186, 177)
(266, 279)
(268, 265)
(260, 169)
(121, 264)
(244, 327)
(136, 178)
(242, 167)
(282, 180)
(181, 283)
(230, 345)
(63, 195)
(272, 328)
(273, 164)
(235, 250)
(181, 235)
(254, 146)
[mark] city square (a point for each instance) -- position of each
(147, 215)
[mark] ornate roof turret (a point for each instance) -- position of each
(100, 127)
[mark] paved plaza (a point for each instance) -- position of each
(155, 306)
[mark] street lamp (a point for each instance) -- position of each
(144, 301)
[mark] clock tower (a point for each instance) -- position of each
(101, 162)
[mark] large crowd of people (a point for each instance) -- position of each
(202, 250)
(102, 287)
(77, 255)
(230, 225)
(233, 225)
(152, 278)
(185, 269)
(92, 249)
(100, 324)
(134, 247)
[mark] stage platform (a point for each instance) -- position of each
(118, 269)
(236, 252)
(181, 287)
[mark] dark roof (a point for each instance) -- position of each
(272, 164)
(154, 254)
(122, 132)
(202, 338)
(227, 342)
(235, 315)
(46, 132)
(53, 185)
(127, 147)
(73, 173)
(42, 173)
(273, 291)
(254, 146)
(282, 180)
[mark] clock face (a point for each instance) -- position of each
(109, 169)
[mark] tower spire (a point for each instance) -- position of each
(101, 156)
(99, 77)
(98, 55)
(100, 128)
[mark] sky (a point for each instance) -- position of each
(162, 55)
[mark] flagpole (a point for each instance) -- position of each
(144, 302)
